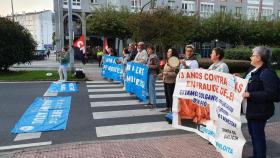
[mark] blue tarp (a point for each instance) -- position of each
(44, 114)
(137, 80)
(111, 69)
(58, 87)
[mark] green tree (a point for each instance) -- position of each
(16, 44)
(109, 22)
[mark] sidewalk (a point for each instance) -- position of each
(181, 146)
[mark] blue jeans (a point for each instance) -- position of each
(256, 130)
(152, 89)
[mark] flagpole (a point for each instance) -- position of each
(71, 34)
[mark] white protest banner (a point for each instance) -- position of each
(209, 103)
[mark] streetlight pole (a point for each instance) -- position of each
(13, 15)
(152, 5)
(70, 27)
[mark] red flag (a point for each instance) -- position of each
(80, 43)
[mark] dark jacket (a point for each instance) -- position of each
(263, 90)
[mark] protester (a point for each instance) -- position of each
(132, 52)
(142, 55)
(126, 56)
(217, 56)
(99, 55)
(110, 51)
(261, 91)
(169, 79)
(64, 59)
(153, 65)
(190, 61)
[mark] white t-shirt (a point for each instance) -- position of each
(191, 64)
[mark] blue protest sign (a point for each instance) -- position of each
(44, 114)
(58, 87)
(111, 69)
(137, 80)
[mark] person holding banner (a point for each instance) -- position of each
(217, 56)
(132, 52)
(190, 61)
(153, 65)
(170, 71)
(262, 90)
(142, 55)
(64, 59)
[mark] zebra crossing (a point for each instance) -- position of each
(118, 113)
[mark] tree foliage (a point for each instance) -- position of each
(16, 44)
(109, 22)
(165, 27)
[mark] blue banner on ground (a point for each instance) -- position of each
(137, 80)
(111, 69)
(44, 114)
(58, 87)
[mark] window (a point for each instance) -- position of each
(239, 1)
(267, 12)
(254, 1)
(252, 12)
(206, 9)
(223, 9)
(94, 1)
(278, 13)
(188, 7)
(136, 3)
(238, 11)
(171, 4)
(268, 2)
(76, 4)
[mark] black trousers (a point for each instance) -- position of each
(169, 89)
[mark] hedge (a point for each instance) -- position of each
(235, 66)
(244, 53)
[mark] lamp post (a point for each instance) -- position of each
(216, 41)
(13, 15)
(70, 27)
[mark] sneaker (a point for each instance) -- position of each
(166, 110)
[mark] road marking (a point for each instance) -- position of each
(115, 130)
(126, 113)
(47, 94)
(115, 90)
(103, 85)
(123, 102)
(102, 82)
(95, 96)
(111, 85)
(24, 145)
(25, 136)
(92, 82)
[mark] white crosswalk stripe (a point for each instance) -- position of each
(115, 89)
(111, 85)
(105, 94)
(95, 96)
(126, 113)
(122, 103)
(133, 128)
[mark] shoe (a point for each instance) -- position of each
(166, 110)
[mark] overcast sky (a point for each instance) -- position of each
(24, 5)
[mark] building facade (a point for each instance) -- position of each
(82, 9)
(40, 25)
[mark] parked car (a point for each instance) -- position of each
(40, 54)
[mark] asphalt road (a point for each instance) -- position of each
(17, 97)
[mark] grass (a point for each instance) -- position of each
(34, 76)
